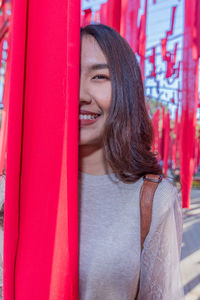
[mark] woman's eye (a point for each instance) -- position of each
(100, 76)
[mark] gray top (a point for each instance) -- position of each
(109, 246)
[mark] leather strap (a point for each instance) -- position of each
(147, 192)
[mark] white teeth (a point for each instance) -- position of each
(87, 117)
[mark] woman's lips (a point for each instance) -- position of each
(86, 122)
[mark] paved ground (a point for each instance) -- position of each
(190, 258)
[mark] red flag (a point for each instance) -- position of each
(166, 142)
(103, 13)
(164, 48)
(170, 32)
(175, 144)
(142, 39)
(196, 31)
(41, 205)
(155, 122)
(167, 56)
(124, 15)
(86, 17)
(161, 142)
(114, 14)
(152, 60)
(189, 104)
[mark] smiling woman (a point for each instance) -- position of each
(95, 93)
(111, 87)
(114, 154)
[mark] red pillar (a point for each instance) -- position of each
(41, 207)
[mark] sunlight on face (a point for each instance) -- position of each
(95, 92)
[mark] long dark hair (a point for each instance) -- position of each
(128, 135)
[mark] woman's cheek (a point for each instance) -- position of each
(103, 96)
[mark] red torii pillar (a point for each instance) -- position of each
(41, 206)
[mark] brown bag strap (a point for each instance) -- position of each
(147, 192)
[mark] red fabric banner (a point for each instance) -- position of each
(4, 120)
(152, 60)
(142, 39)
(168, 56)
(161, 144)
(114, 14)
(124, 15)
(166, 142)
(175, 144)
(196, 31)
(86, 17)
(4, 37)
(103, 13)
(155, 121)
(189, 104)
(129, 27)
(41, 205)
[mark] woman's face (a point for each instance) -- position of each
(95, 92)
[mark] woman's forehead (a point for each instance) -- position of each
(91, 53)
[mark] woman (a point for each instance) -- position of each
(115, 153)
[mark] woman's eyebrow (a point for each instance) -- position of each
(98, 67)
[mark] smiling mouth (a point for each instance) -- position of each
(88, 118)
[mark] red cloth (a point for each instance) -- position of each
(142, 40)
(155, 121)
(114, 14)
(129, 27)
(152, 60)
(86, 17)
(175, 143)
(4, 121)
(170, 32)
(103, 13)
(41, 206)
(124, 15)
(189, 104)
(168, 56)
(166, 142)
(161, 142)
(196, 31)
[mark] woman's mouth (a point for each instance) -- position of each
(88, 118)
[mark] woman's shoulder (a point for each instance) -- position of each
(165, 198)
(166, 188)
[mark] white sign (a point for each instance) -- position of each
(92, 4)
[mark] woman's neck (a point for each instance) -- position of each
(92, 161)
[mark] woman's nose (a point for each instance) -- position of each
(84, 95)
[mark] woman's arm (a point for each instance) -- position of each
(160, 266)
